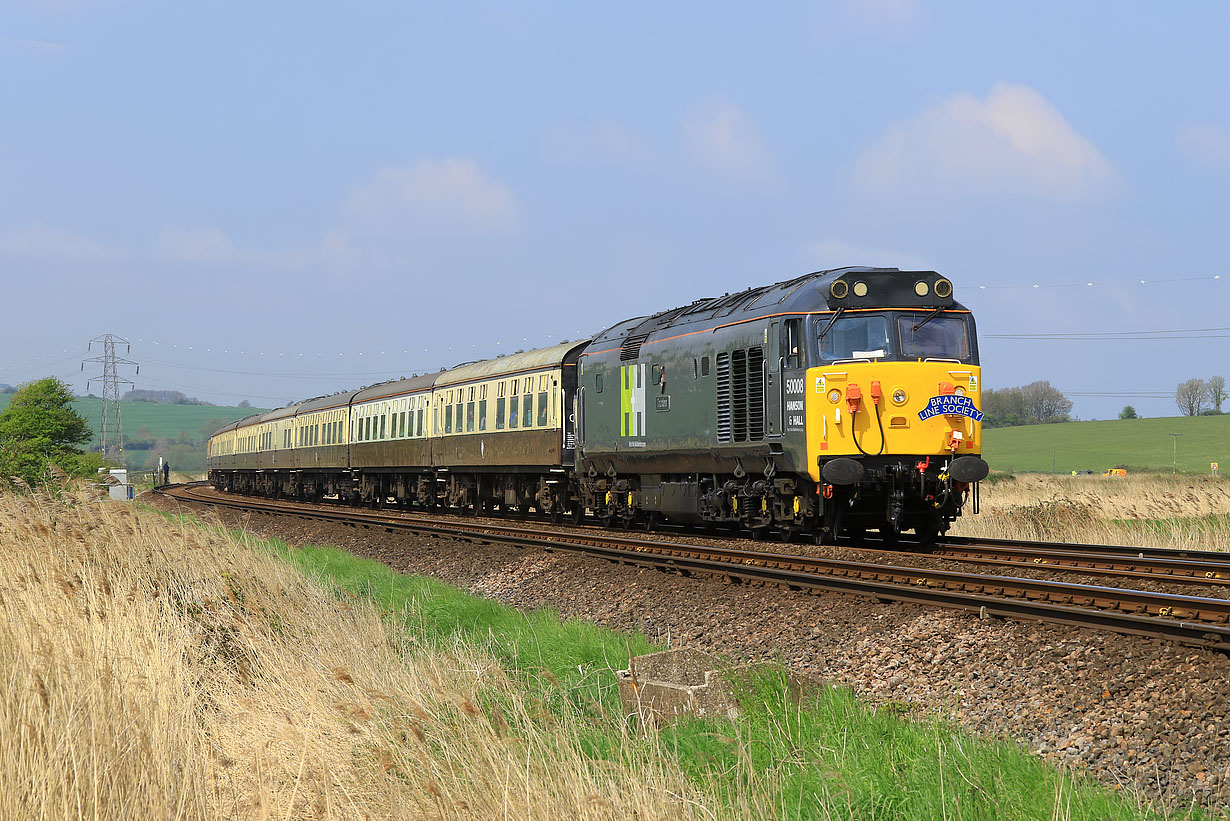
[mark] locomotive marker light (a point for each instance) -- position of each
(921, 288)
(860, 289)
(899, 396)
(943, 288)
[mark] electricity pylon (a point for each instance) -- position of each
(112, 433)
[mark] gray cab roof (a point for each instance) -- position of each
(889, 288)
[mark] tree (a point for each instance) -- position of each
(1215, 389)
(40, 428)
(211, 426)
(1045, 403)
(1031, 404)
(1190, 396)
(1128, 412)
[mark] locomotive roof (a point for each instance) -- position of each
(888, 288)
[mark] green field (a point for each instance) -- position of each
(1141, 444)
(164, 421)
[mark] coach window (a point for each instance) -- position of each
(542, 408)
(459, 411)
(513, 403)
(482, 414)
(448, 419)
(499, 414)
(470, 415)
(527, 409)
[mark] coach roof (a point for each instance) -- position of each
(537, 359)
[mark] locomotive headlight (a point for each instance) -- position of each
(921, 288)
(959, 391)
(899, 396)
(943, 288)
(839, 289)
(834, 396)
(860, 289)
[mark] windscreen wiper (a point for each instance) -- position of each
(928, 318)
(827, 327)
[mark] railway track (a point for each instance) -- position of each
(1206, 568)
(1191, 620)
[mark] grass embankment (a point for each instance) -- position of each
(1145, 509)
(158, 668)
(1138, 444)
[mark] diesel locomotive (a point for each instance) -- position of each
(835, 403)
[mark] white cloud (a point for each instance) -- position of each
(838, 253)
(45, 49)
(1014, 142)
(719, 138)
(194, 244)
(607, 141)
(447, 195)
(45, 242)
(1207, 144)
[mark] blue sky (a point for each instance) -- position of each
(277, 200)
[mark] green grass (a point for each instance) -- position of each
(836, 758)
(1141, 444)
(164, 421)
(829, 757)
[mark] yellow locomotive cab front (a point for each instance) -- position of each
(860, 409)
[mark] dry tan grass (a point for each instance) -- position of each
(1106, 511)
(153, 670)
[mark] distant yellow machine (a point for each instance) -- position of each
(1113, 472)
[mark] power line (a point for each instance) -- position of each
(1104, 284)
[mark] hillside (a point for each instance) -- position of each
(174, 431)
(1143, 444)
